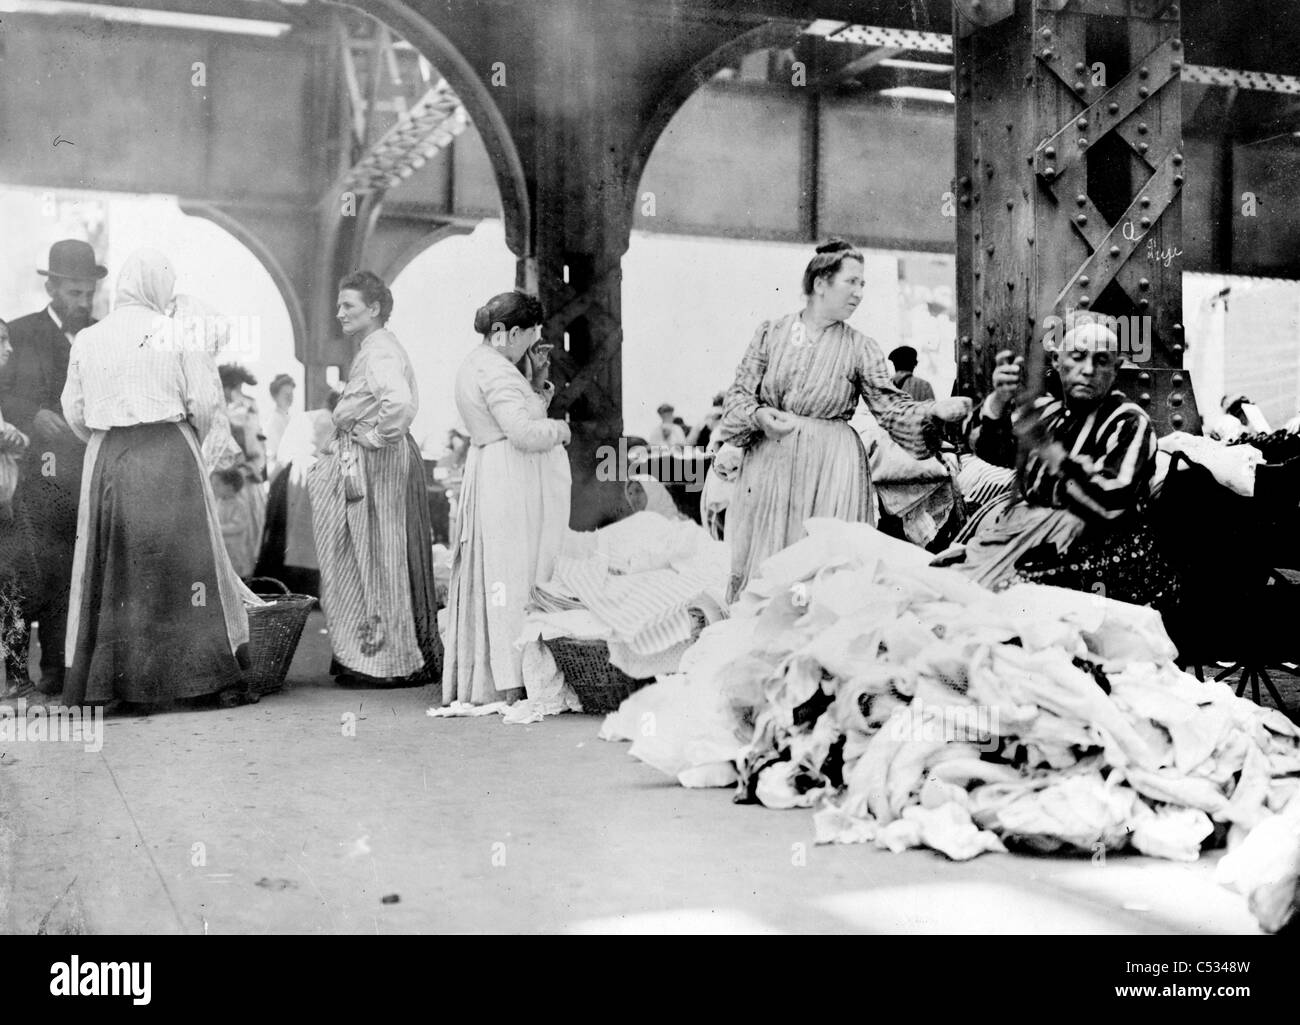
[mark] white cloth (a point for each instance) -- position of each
(1233, 466)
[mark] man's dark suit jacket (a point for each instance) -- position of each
(37, 371)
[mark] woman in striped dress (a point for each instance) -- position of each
(370, 509)
(788, 443)
(514, 501)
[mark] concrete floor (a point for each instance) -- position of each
(267, 819)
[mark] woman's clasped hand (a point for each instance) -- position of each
(775, 423)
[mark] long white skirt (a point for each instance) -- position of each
(514, 510)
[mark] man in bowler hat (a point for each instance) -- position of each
(31, 389)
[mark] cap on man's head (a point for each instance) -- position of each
(665, 408)
(904, 357)
(73, 258)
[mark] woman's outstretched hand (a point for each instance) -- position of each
(952, 410)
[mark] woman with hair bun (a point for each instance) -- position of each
(514, 501)
(370, 510)
(785, 425)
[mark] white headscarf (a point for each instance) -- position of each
(146, 279)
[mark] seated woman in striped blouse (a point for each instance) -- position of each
(1077, 519)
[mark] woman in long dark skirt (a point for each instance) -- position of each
(156, 611)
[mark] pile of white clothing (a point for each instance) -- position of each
(911, 707)
(1233, 466)
(633, 584)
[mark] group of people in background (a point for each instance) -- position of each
(150, 597)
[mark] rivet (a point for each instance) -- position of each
(965, 200)
(1145, 222)
(1114, 250)
(1178, 327)
(1142, 128)
(1085, 281)
(1050, 152)
(1176, 44)
(1145, 398)
(1178, 179)
(1176, 419)
(1010, 204)
(1176, 65)
(1080, 68)
(1143, 283)
(1082, 124)
(1082, 218)
(1143, 72)
(1177, 158)
(1047, 55)
(1081, 199)
(1143, 91)
(989, 250)
(1079, 87)
(964, 181)
(1143, 147)
(1083, 143)
(1143, 303)
(1113, 107)
(1049, 173)
(965, 339)
(1177, 347)
(1145, 200)
(1144, 378)
(1177, 380)
(1084, 300)
(1175, 399)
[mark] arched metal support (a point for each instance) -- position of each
(511, 181)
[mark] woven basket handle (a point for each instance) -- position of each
(250, 581)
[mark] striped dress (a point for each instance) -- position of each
(375, 549)
(1103, 481)
(820, 468)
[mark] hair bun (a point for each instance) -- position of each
(834, 245)
(482, 320)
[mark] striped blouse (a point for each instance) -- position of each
(122, 372)
(1111, 457)
(822, 378)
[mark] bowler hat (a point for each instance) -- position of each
(72, 258)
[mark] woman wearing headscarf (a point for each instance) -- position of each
(789, 446)
(157, 612)
(514, 502)
(370, 509)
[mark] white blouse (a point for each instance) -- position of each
(122, 373)
(496, 402)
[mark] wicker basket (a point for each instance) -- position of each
(600, 686)
(585, 664)
(273, 634)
